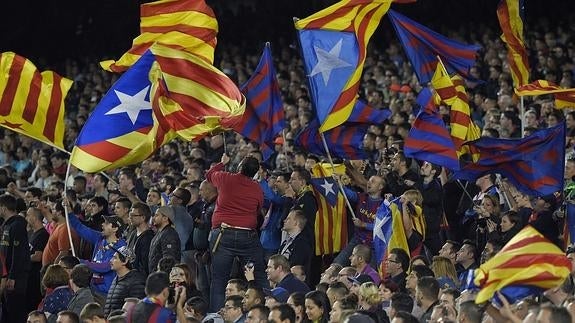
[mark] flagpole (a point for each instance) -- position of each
(522, 109)
(284, 148)
(66, 210)
(340, 185)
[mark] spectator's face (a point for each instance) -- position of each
(153, 198)
(230, 312)
(314, 312)
(271, 302)
(36, 319)
(354, 259)
(411, 281)
(342, 277)
(178, 276)
(298, 273)
(120, 210)
(250, 299)
(463, 254)
(254, 316)
(108, 229)
(135, 217)
(273, 272)
(116, 263)
(296, 182)
(335, 314)
(274, 317)
(447, 299)
(231, 289)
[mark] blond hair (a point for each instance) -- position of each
(443, 267)
(414, 196)
(370, 293)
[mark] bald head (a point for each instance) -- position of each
(208, 191)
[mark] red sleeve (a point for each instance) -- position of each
(215, 174)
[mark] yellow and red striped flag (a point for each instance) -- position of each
(509, 13)
(527, 260)
(564, 98)
(331, 219)
(32, 103)
(463, 128)
(443, 85)
(189, 25)
(193, 97)
(334, 46)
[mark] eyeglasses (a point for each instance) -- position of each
(229, 307)
(174, 195)
(391, 260)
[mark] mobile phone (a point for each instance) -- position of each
(250, 265)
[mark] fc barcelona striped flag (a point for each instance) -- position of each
(510, 15)
(528, 264)
(533, 164)
(422, 46)
(429, 139)
(32, 102)
(188, 25)
(331, 219)
(264, 117)
(569, 228)
(334, 46)
(564, 98)
(346, 140)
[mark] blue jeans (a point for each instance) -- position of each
(243, 244)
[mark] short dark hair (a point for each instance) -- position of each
(250, 166)
(35, 191)
(156, 283)
(144, 209)
(9, 202)
(406, 317)
(69, 262)
(402, 257)
(286, 312)
(240, 283)
(303, 173)
(473, 312)
(73, 317)
(402, 302)
(429, 287)
(236, 300)
(422, 271)
(198, 304)
(264, 310)
(90, 310)
(166, 263)
(38, 313)
(81, 275)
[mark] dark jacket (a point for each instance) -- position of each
(298, 252)
(292, 284)
(308, 204)
(82, 297)
(165, 243)
(140, 244)
(14, 248)
(131, 285)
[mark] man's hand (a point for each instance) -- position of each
(358, 223)
(225, 159)
(10, 284)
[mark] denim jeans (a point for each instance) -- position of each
(243, 244)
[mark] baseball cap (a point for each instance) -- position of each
(125, 252)
(280, 294)
(114, 220)
(360, 279)
(169, 212)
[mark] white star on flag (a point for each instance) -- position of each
(131, 104)
(378, 228)
(328, 61)
(328, 187)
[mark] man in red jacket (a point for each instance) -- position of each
(234, 223)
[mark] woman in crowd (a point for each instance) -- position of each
(297, 302)
(370, 301)
(180, 275)
(317, 307)
(348, 303)
(508, 227)
(58, 294)
(445, 272)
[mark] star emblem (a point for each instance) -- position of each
(378, 228)
(328, 61)
(131, 104)
(328, 187)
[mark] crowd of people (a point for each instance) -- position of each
(208, 231)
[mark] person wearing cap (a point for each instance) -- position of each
(104, 243)
(357, 281)
(278, 272)
(275, 296)
(128, 282)
(542, 218)
(234, 223)
(166, 242)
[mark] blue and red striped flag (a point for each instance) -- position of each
(422, 46)
(510, 15)
(429, 139)
(346, 140)
(533, 164)
(264, 115)
(528, 264)
(334, 46)
(569, 229)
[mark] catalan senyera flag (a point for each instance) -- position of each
(193, 98)
(32, 102)
(528, 261)
(563, 97)
(443, 85)
(334, 45)
(331, 218)
(264, 116)
(463, 128)
(136, 132)
(188, 25)
(510, 15)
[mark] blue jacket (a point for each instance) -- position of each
(271, 233)
(100, 263)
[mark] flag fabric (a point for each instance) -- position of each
(429, 140)
(533, 164)
(462, 127)
(510, 15)
(264, 116)
(32, 102)
(529, 263)
(334, 45)
(346, 140)
(135, 133)
(388, 232)
(569, 230)
(563, 97)
(331, 219)
(443, 85)
(188, 25)
(191, 97)
(422, 46)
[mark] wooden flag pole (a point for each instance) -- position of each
(340, 185)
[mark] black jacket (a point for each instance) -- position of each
(131, 285)
(308, 204)
(165, 243)
(140, 244)
(299, 252)
(14, 248)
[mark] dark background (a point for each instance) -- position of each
(49, 31)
